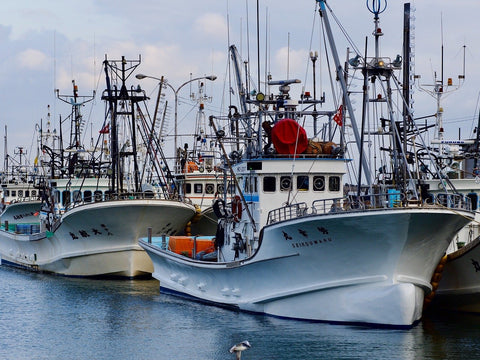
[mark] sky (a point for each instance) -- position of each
(45, 44)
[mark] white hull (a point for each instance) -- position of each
(363, 267)
(97, 239)
(459, 287)
(22, 212)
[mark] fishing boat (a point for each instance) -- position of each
(200, 176)
(95, 209)
(298, 240)
(20, 191)
(197, 169)
(456, 282)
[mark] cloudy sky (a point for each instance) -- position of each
(45, 44)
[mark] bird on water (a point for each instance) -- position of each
(237, 349)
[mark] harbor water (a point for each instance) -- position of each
(51, 317)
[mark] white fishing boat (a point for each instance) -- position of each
(198, 171)
(202, 187)
(20, 204)
(93, 213)
(293, 242)
(20, 186)
(456, 281)
(200, 176)
(457, 284)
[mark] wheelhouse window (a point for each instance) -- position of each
(66, 198)
(77, 196)
(56, 196)
(231, 188)
(34, 193)
(97, 195)
(87, 196)
(220, 188)
(302, 183)
(188, 188)
(285, 183)
(334, 183)
(209, 188)
(319, 183)
(14, 193)
(20, 193)
(269, 184)
(198, 188)
(109, 195)
(474, 200)
(251, 185)
(27, 193)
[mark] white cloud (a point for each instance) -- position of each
(212, 25)
(291, 61)
(33, 60)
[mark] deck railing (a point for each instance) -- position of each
(388, 200)
(287, 212)
(127, 196)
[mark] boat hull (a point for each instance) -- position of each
(22, 212)
(459, 286)
(97, 239)
(364, 267)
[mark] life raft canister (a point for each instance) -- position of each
(289, 137)
(237, 208)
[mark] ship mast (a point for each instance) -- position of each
(438, 90)
(340, 72)
(122, 103)
(76, 124)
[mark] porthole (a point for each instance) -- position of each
(209, 188)
(285, 183)
(318, 183)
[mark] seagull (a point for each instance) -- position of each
(237, 349)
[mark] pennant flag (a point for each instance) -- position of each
(339, 116)
(105, 129)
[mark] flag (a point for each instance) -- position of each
(339, 116)
(105, 129)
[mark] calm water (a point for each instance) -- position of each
(50, 317)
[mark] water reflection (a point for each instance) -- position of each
(50, 317)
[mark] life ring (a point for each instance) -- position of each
(237, 208)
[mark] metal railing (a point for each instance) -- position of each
(126, 196)
(453, 201)
(287, 212)
(390, 200)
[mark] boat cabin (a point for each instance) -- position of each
(273, 184)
